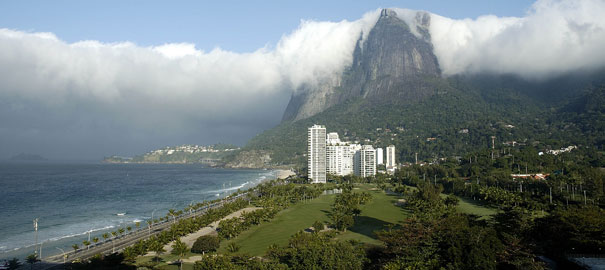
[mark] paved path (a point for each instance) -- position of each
(210, 229)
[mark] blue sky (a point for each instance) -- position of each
(240, 26)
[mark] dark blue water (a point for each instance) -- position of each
(71, 199)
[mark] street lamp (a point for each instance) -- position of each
(64, 255)
(36, 229)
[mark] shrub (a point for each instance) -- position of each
(205, 243)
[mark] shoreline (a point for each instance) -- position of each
(67, 240)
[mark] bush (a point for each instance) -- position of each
(205, 243)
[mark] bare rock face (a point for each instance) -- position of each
(391, 65)
(253, 159)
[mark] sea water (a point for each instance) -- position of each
(70, 200)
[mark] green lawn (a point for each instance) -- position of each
(376, 215)
(167, 257)
(380, 212)
(469, 206)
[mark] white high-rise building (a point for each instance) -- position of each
(365, 161)
(339, 155)
(316, 155)
(379, 156)
(391, 157)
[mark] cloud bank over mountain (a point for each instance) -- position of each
(555, 37)
(91, 98)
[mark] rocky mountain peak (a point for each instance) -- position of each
(391, 65)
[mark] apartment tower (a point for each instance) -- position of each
(317, 154)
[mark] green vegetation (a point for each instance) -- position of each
(381, 211)
(286, 223)
(205, 243)
(460, 117)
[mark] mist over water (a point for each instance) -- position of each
(71, 199)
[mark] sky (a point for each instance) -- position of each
(88, 79)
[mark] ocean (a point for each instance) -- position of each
(71, 199)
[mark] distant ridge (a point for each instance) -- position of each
(27, 157)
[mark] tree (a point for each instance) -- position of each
(75, 247)
(346, 207)
(318, 251)
(95, 240)
(129, 228)
(121, 231)
(157, 247)
(105, 236)
(173, 213)
(211, 262)
(86, 243)
(32, 259)
(180, 249)
(137, 225)
(233, 247)
(13, 264)
(205, 243)
(318, 226)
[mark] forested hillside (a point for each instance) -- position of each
(461, 116)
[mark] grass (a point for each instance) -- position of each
(165, 258)
(469, 206)
(376, 215)
(472, 207)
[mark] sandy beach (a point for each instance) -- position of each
(283, 174)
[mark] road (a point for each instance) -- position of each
(119, 243)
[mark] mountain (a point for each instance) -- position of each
(27, 157)
(394, 93)
(394, 64)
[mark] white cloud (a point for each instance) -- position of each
(554, 37)
(47, 84)
(54, 86)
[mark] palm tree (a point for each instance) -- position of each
(86, 243)
(32, 259)
(75, 247)
(105, 236)
(137, 225)
(129, 229)
(121, 231)
(158, 248)
(95, 240)
(172, 212)
(113, 243)
(180, 249)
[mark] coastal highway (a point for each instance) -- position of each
(119, 243)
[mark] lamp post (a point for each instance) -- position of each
(64, 256)
(36, 230)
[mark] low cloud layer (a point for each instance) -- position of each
(90, 99)
(555, 37)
